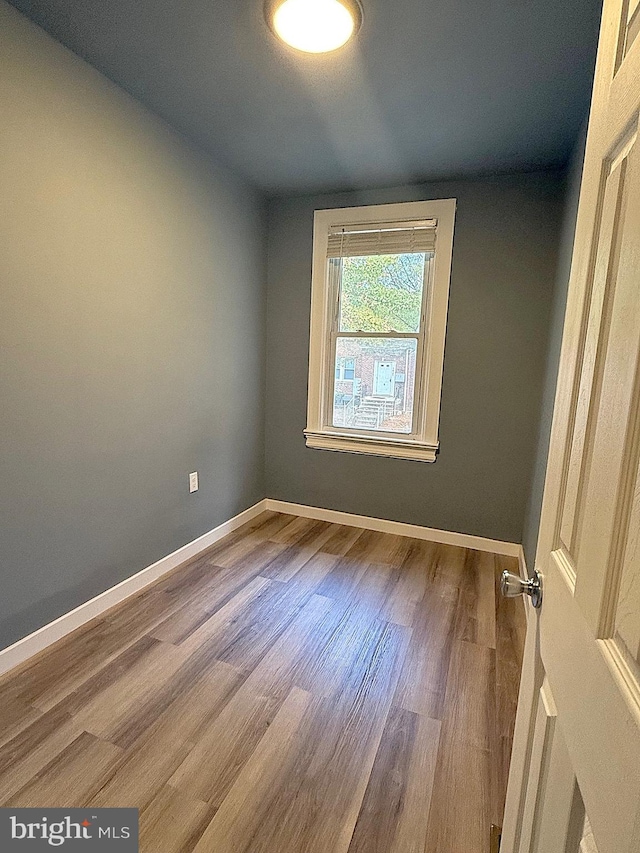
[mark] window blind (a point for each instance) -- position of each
(382, 239)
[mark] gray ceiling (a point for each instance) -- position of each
(430, 88)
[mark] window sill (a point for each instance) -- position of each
(395, 448)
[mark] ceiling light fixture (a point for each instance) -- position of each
(314, 26)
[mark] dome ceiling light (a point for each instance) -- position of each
(314, 26)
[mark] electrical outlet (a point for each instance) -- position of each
(193, 482)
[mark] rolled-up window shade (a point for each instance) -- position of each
(381, 238)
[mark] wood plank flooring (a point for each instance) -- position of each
(301, 687)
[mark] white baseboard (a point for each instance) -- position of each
(28, 646)
(443, 537)
(25, 648)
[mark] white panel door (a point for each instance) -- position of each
(384, 378)
(575, 774)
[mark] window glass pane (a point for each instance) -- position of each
(381, 293)
(349, 368)
(377, 392)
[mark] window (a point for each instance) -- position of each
(345, 368)
(380, 290)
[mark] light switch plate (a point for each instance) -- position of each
(193, 482)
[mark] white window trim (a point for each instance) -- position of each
(423, 444)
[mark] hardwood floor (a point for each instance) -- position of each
(302, 687)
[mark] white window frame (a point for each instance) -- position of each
(423, 442)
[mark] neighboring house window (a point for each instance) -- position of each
(345, 368)
(380, 291)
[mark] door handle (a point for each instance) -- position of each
(513, 585)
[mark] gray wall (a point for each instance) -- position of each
(534, 504)
(132, 335)
(504, 264)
